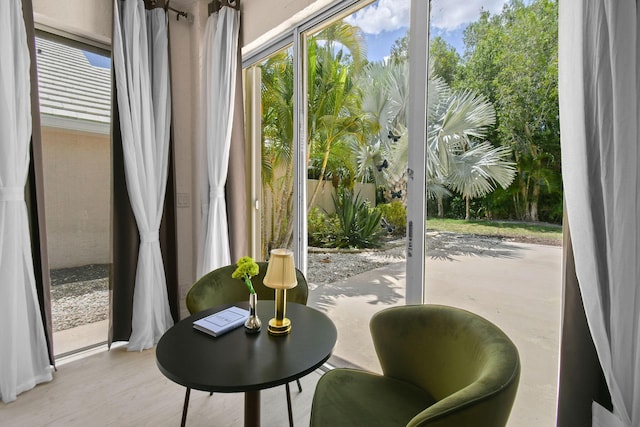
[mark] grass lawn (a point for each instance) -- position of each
(524, 232)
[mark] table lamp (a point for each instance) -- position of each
(280, 275)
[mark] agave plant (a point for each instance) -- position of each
(359, 223)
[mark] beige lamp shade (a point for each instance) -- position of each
(281, 272)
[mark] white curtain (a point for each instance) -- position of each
(220, 50)
(140, 51)
(24, 358)
(599, 116)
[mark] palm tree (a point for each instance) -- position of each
(474, 173)
(334, 113)
(334, 53)
(277, 149)
(456, 121)
(384, 103)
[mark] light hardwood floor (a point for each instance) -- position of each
(120, 388)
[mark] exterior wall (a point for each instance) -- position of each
(77, 176)
(324, 199)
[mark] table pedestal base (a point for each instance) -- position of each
(252, 408)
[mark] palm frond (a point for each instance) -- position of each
(468, 114)
(476, 172)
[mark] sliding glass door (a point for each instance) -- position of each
(327, 115)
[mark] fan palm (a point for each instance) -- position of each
(476, 172)
(455, 121)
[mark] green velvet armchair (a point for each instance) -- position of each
(442, 366)
(218, 287)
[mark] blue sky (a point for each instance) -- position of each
(98, 60)
(385, 21)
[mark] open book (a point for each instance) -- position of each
(223, 321)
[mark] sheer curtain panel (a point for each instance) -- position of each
(24, 358)
(140, 51)
(599, 72)
(220, 50)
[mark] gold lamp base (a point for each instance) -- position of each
(279, 327)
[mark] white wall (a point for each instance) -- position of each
(264, 19)
(92, 19)
(186, 46)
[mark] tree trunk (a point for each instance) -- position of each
(440, 207)
(533, 215)
(468, 208)
(323, 170)
(524, 189)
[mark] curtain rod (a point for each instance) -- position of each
(216, 5)
(151, 4)
(179, 13)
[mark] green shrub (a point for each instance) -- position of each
(321, 228)
(359, 224)
(394, 217)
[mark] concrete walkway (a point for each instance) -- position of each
(516, 286)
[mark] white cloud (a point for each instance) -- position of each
(448, 15)
(385, 15)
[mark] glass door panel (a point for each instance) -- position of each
(494, 186)
(356, 161)
(271, 84)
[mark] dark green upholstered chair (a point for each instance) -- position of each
(218, 287)
(442, 366)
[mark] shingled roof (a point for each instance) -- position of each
(74, 93)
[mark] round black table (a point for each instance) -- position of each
(241, 362)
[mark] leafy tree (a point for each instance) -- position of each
(527, 91)
(444, 59)
(511, 57)
(400, 50)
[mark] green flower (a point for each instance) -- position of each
(246, 269)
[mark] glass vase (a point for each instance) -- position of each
(253, 324)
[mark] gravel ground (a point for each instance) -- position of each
(81, 295)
